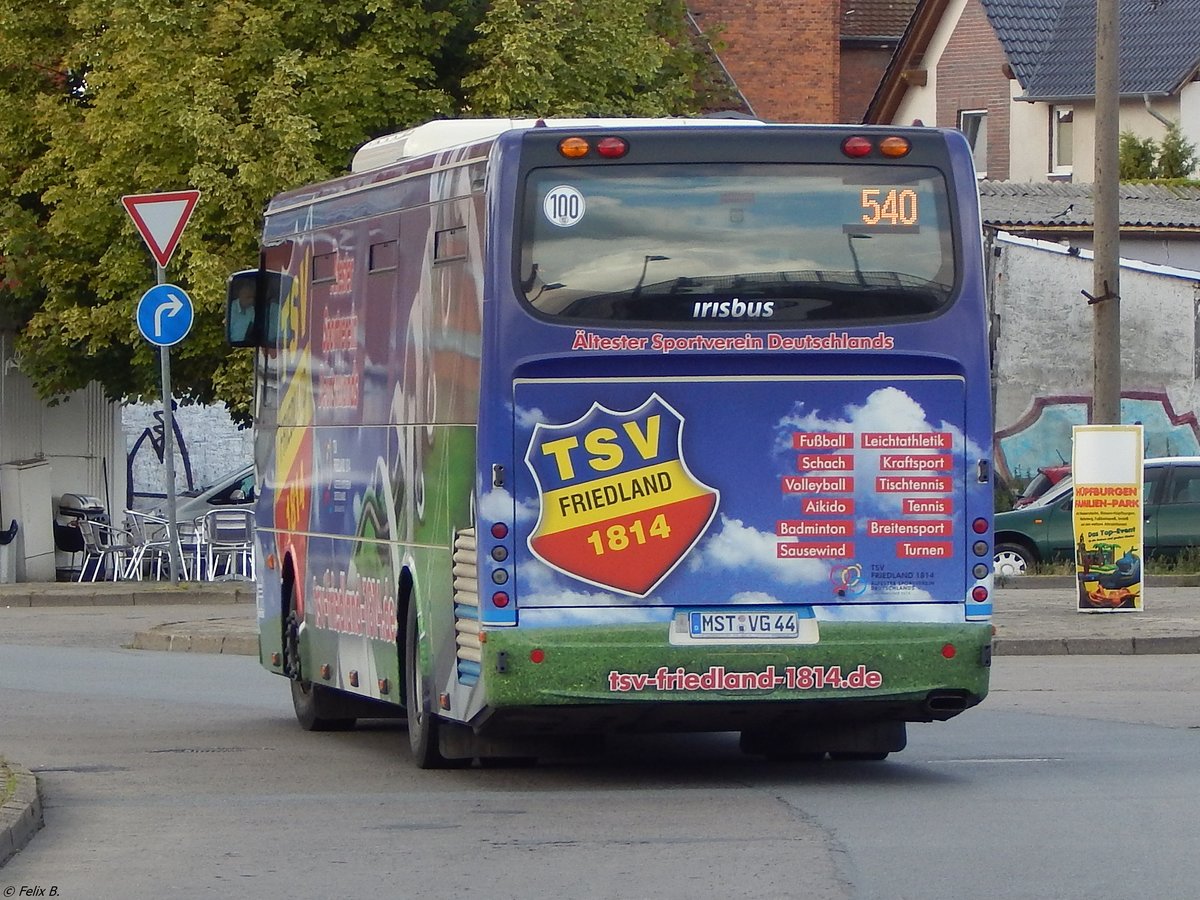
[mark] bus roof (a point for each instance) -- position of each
(446, 133)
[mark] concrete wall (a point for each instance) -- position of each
(1043, 363)
(74, 446)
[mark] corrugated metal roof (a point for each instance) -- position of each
(876, 18)
(1065, 205)
(1051, 45)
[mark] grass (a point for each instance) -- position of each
(8, 786)
(1186, 563)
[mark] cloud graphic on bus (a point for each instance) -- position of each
(737, 546)
(886, 410)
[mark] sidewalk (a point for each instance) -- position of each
(1033, 617)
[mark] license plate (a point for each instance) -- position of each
(749, 625)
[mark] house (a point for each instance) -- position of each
(1017, 77)
(804, 60)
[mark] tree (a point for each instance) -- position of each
(1136, 156)
(579, 58)
(1176, 156)
(1146, 158)
(241, 99)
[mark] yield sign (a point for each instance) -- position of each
(160, 219)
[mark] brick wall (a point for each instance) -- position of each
(862, 70)
(970, 76)
(783, 54)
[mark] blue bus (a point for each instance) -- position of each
(579, 427)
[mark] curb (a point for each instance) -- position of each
(21, 814)
(1096, 646)
(125, 594)
(180, 642)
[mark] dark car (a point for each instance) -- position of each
(1044, 530)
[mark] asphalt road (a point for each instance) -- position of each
(184, 775)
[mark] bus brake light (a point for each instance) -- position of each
(612, 147)
(856, 146)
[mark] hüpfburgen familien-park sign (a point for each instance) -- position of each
(1106, 465)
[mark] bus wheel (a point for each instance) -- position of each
(316, 706)
(423, 725)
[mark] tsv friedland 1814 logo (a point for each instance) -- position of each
(619, 507)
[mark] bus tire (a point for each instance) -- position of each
(859, 755)
(423, 724)
(316, 706)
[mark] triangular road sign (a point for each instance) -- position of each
(160, 219)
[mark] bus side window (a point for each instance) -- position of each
(241, 309)
(251, 320)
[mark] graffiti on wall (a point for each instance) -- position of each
(152, 442)
(1042, 437)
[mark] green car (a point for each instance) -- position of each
(1043, 530)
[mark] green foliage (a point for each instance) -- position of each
(1143, 159)
(241, 99)
(577, 58)
(238, 99)
(1177, 155)
(1136, 157)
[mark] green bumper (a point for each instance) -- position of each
(633, 664)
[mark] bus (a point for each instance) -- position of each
(570, 428)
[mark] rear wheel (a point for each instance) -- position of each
(316, 706)
(423, 725)
(859, 756)
(1013, 559)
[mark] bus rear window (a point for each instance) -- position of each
(772, 244)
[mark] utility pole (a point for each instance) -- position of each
(1105, 298)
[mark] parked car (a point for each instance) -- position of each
(1043, 530)
(1046, 478)
(234, 489)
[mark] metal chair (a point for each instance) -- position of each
(105, 549)
(150, 545)
(228, 543)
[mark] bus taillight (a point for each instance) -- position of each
(612, 147)
(856, 146)
(500, 599)
(979, 593)
(499, 531)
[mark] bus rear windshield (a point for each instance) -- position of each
(767, 244)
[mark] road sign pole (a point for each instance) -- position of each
(164, 317)
(164, 356)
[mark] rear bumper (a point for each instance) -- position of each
(627, 678)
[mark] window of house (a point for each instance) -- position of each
(1062, 120)
(973, 124)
